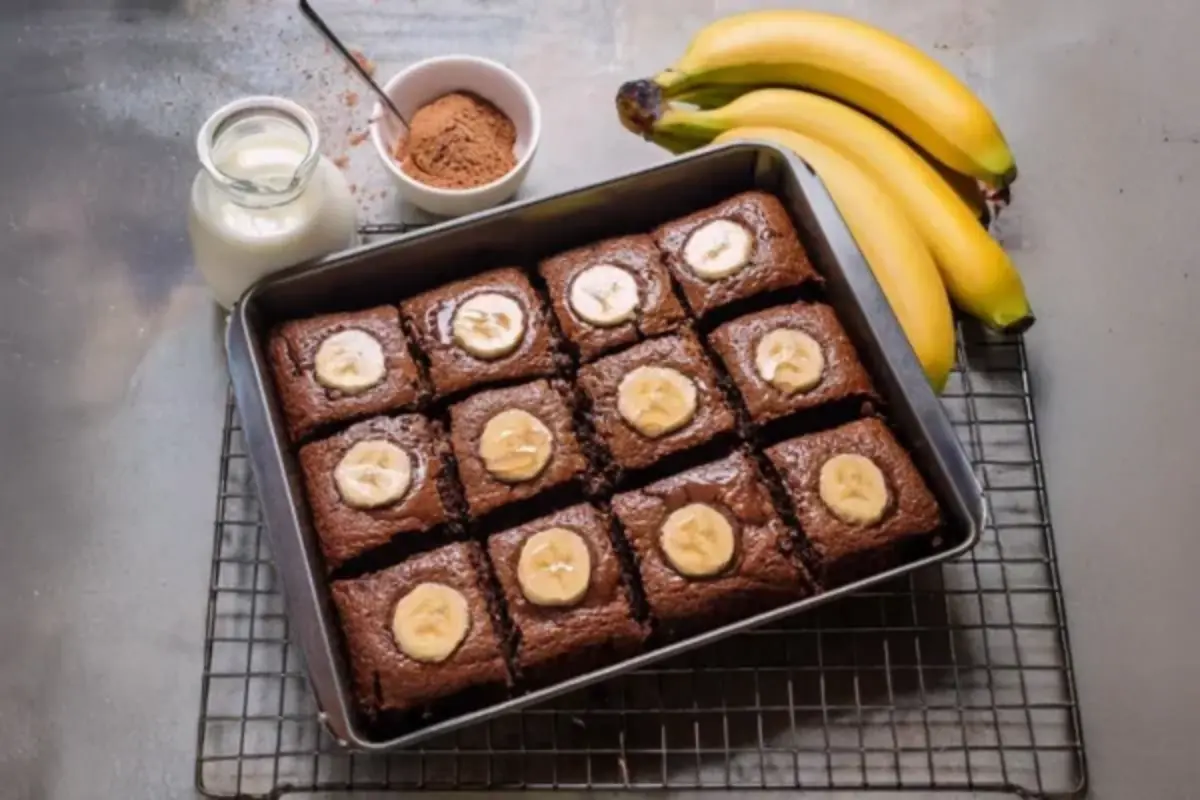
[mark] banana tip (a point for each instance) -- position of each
(1021, 325)
(1001, 181)
(639, 104)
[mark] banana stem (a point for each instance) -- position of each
(639, 105)
(707, 98)
(688, 123)
(643, 111)
(675, 144)
(672, 81)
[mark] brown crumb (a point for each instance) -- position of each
(341, 162)
(363, 61)
(354, 188)
(350, 97)
(358, 138)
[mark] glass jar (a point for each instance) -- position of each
(265, 197)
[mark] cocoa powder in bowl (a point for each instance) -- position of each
(459, 141)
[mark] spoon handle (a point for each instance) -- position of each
(311, 14)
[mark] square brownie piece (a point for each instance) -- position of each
(568, 619)
(484, 329)
(790, 358)
(611, 294)
(376, 480)
(395, 664)
(636, 399)
(734, 250)
(691, 571)
(338, 367)
(882, 507)
(512, 444)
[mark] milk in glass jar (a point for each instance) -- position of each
(265, 197)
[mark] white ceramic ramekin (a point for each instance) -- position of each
(425, 81)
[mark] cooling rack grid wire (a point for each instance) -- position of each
(958, 677)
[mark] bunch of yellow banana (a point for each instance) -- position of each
(913, 212)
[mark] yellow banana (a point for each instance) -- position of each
(707, 98)
(978, 274)
(856, 63)
(893, 249)
(967, 188)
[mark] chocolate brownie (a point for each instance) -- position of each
(310, 402)
(386, 678)
(346, 525)
(437, 314)
(630, 447)
(601, 620)
(547, 420)
(627, 290)
(775, 261)
(845, 547)
(763, 568)
(841, 374)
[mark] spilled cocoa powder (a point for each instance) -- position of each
(458, 141)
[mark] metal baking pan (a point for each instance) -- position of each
(521, 234)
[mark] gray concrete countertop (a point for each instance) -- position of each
(113, 382)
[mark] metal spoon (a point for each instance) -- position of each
(318, 23)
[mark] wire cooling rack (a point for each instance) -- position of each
(955, 678)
